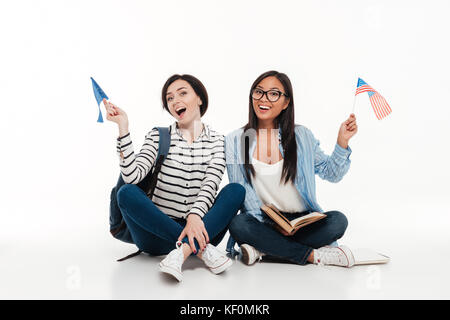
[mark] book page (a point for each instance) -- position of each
(308, 217)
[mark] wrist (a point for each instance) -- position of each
(193, 216)
(123, 130)
(343, 143)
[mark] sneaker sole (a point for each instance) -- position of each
(224, 266)
(246, 255)
(171, 271)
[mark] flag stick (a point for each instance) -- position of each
(354, 100)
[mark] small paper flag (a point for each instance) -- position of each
(99, 95)
(379, 104)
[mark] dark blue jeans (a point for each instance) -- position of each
(245, 228)
(156, 233)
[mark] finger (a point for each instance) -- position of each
(106, 104)
(116, 109)
(350, 120)
(201, 241)
(192, 245)
(110, 112)
(351, 124)
(352, 129)
(205, 233)
(108, 107)
(352, 117)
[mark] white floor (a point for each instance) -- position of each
(49, 261)
(70, 255)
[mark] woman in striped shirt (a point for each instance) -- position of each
(276, 161)
(184, 211)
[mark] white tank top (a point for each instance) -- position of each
(270, 190)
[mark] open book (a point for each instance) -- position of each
(290, 222)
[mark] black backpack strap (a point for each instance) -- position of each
(131, 255)
(148, 184)
(163, 150)
(164, 141)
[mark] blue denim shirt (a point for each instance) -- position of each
(311, 160)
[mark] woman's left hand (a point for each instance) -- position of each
(195, 229)
(347, 130)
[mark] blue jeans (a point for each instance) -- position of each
(244, 228)
(156, 233)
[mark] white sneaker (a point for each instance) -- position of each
(250, 254)
(173, 262)
(215, 260)
(337, 256)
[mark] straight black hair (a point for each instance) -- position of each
(284, 121)
(196, 84)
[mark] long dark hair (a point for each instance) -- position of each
(284, 121)
(196, 84)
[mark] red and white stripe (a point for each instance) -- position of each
(380, 106)
(364, 88)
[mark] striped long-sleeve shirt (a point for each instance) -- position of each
(189, 177)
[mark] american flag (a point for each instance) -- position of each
(379, 104)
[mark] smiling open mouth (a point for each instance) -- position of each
(180, 111)
(265, 108)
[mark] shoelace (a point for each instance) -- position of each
(177, 256)
(327, 255)
(212, 254)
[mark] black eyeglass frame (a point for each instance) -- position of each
(265, 93)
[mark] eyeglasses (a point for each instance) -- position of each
(272, 95)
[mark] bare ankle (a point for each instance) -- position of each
(311, 257)
(186, 251)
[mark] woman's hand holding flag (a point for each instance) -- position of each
(347, 130)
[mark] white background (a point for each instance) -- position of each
(59, 165)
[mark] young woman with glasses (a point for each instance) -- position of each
(276, 161)
(184, 212)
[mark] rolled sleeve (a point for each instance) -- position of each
(331, 168)
(341, 155)
(123, 144)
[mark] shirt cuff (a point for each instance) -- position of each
(341, 153)
(123, 142)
